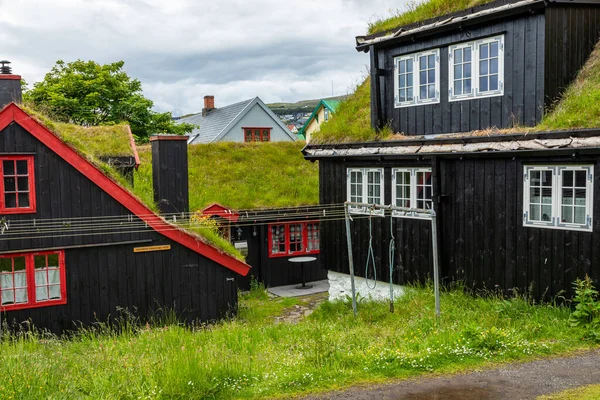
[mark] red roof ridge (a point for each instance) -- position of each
(13, 113)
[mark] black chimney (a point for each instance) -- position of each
(10, 85)
(170, 173)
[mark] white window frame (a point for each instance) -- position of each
(413, 192)
(556, 204)
(416, 79)
(475, 90)
(364, 189)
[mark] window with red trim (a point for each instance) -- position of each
(31, 280)
(17, 185)
(293, 238)
(257, 135)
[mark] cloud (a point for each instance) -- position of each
(181, 50)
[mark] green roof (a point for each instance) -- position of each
(242, 175)
(579, 106)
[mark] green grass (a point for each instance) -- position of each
(591, 392)
(417, 12)
(242, 175)
(253, 357)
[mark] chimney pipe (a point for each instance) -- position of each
(209, 105)
(170, 173)
(10, 85)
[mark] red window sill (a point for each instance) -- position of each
(295, 254)
(34, 305)
(18, 211)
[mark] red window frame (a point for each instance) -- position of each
(30, 270)
(256, 134)
(31, 185)
(284, 248)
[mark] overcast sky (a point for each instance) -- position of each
(181, 50)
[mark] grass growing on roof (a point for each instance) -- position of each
(242, 175)
(253, 357)
(417, 12)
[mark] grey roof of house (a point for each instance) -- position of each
(220, 120)
(211, 126)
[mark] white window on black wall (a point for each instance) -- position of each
(417, 78)
(365, 185)
(558, 196)
(476, 69)
(412, 188)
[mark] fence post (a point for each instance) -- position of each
(350, 259)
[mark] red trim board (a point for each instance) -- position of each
(13, 113)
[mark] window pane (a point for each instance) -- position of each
(22, 167)
(580, 197)
(409, 65)
(10, 200)
(23, 199)
(467, 86)
(423, 77)
(546, 213)
(494, 49)
(5, 265)
(431, 59)
(402, 67)
(9, 184)
(546, 178)
(580, 178)
(19, 263)
(567, 178)
(458, 56)
(494, 82)
(483, 51)
(535, 177)
(431, 75)
(8, 167)
(483, 84)
(467, 53)
(409, 94)
(494, 66)
(402, 80)
(422, 62)
(483, 68)
(467, 68)
(457, 71)
(457, 87)
(39, 262)
(567, 214)
(431, 92)
(579, 215)
(23, 183)
(423, 93)
(547, 195)
(567, 196)
(409, 79)
(402, 95)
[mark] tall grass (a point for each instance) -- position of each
(252, 357)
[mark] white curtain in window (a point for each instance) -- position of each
(19, 284)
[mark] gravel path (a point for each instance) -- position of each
(513, 381)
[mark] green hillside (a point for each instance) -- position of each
(242, 175)
(305, 106)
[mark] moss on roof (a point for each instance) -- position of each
(421, 12)
(242, 175)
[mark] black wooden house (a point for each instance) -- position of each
(514, 210)
(75, 246)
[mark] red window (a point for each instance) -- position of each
(31, 280)
(17, 185)
(257, 135)
(294, 238)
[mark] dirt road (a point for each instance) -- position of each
(512, 381)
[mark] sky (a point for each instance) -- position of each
(182, 50)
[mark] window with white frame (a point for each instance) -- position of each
(417, 78)
(365, 185)
(411, 188)
(476, 69)
(558, 196)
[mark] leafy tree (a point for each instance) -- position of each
(87, 93)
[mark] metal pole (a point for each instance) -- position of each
(350, 259)
(436, 271)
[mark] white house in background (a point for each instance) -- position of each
(246, 121)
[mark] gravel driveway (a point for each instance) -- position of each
(512, 381)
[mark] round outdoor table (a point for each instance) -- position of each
(302, 260)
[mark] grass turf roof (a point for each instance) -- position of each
(421, 12)
(242, 175)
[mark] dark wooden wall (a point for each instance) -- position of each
(571, 34)
(523, 98)
(103, 278)
(483, 241)
(170, 174)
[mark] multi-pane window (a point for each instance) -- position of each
(558, 196)
(257, 135)
(476, 69)
(325, 114)
(32, 280)
(411, 188)
(416, 78)
(365, 185)
(17, 193)
(294, 238)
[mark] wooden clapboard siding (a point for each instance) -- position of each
(102, 279)
(483, 242)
